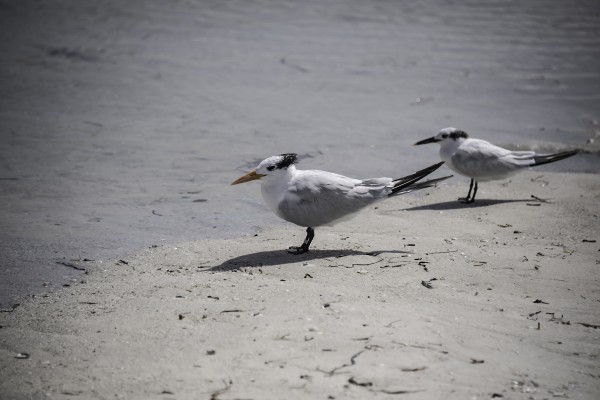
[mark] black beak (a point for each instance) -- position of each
(430, 140)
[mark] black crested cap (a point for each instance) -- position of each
(287, 159)
(458, 134)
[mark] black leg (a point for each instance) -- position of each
(310, 234)
(468, 198)
(474, 192)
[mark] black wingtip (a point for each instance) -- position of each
(438, 165)
(402, 183)
(420, 185)
(550, 158)
(422, 173)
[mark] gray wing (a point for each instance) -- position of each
(482, 160)
(318, 198)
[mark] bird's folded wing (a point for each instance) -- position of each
(376, 182)
(483, 158)
(323, 198)
(326, 186)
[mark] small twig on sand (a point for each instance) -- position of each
(369, 384)
(587, 325)
(441, 252)
(70, 265)
(353, 381)
(215, 395)
(392, 323)
(352, 362)
(365, 264)
(540, 199)
(428, 284)
(399, 391)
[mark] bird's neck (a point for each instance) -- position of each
(274, 187)
(453, 144)
(449, 148)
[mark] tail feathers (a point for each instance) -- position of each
(405, 182)
(541, 160)
(420, 185)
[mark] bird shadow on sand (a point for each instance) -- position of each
(457, 205)
(281, 257)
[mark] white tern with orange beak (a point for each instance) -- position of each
(312, 198)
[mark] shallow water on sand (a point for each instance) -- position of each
(124, 123)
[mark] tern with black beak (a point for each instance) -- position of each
(482, 161)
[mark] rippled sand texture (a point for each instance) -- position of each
(123, 122)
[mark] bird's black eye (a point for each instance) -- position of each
(271, 167)
(444, 136)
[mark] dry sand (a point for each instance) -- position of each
(122, 122)
(421, 297)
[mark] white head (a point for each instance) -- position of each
(271, 166)
(446, 135)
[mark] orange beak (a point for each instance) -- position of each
(250, 176)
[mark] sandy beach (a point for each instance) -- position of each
(131, 269)
(421, 297)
